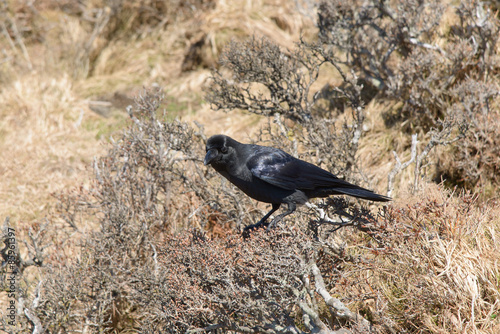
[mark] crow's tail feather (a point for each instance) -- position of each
(364, 194)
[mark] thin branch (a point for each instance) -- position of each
(416, 42)
(401, 166)
(338, 308)
(17, 37)
(437, 138)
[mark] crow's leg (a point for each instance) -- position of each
(291, 209)
(262, 222)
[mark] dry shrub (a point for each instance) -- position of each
(152, 174)
(268, 80)
(396, 47)
(438, 61)
(149, 185)
(398, 278)
(139, 268)
(437, 271)
(226, 284)
(476, 161)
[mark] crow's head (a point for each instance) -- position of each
(220, 149)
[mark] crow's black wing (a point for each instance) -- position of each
(282, 170)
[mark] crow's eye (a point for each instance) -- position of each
(223, 149)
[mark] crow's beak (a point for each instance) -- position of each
(211, 154)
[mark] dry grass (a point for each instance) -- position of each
(45, 145)
(441, 271)
(436, 269)
(42, 149)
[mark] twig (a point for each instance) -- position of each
(322, 214)
(17, 37)
(400, 166)
(416, 42)
(436, 139)
(37, 324)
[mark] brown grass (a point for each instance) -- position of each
(42, 149)
(441, 272)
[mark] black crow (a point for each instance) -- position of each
(270, 175)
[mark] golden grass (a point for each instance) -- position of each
(43, 146)
(42, 149)
(438, 272)
(449, 270)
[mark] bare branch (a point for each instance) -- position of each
(338, 308)
(401, 166)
